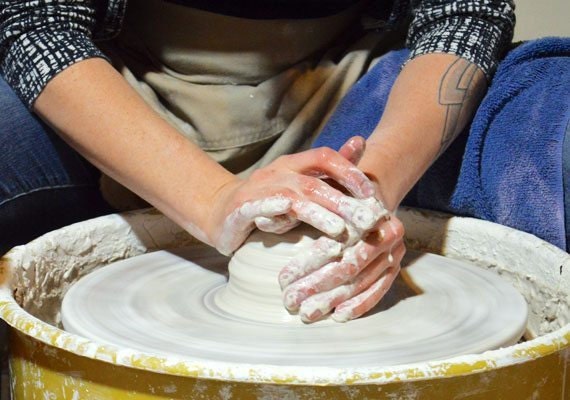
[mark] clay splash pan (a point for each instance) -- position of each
(34, 279)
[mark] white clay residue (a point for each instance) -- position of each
(42, 271)
(363, 213)
(194, 313)
(322, 219)
(242, 217)
(302, 263)
(276, 224)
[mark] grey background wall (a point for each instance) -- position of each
(539, 18)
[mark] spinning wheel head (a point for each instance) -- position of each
(180, 304)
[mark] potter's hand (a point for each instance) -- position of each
(352, 150)
(290, 189)
(349, 277)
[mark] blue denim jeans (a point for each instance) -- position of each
(44, 184)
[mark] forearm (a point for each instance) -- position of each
(101, 116)
(432, 100)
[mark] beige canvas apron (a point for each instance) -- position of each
(245, 90)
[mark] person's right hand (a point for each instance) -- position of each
(291, 190)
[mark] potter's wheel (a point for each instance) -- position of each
(179, 304)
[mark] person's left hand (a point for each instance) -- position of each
(350, 281)
(351, 275)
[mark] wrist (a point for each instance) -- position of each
(215, 209)
(191, 205)
(389, 174)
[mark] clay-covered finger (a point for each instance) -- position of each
(327, 162)
(353, 149)
(321, 304)
(365, 301)
(334, 274)
(321, 252)
(299, 291)
(353, 261)
(278, 224)
(364, 214)
(318, 217)
(239, 224)
(389, 231)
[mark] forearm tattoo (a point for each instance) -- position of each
(460, 91)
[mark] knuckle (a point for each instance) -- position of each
(287, 193)
(324, 155)
(308, 185)
(262, 174)
(352, 270)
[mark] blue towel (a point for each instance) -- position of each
(507, 166)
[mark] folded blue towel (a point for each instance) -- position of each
(507, 167)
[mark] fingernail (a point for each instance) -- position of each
(290, 300)
(342, 316)
(284, 280)
(393, 226)
(311, 317)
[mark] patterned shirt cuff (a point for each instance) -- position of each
(36, 57)
(474, 39)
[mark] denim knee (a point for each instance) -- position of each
(44, 184)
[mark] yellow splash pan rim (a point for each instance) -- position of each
(16, 317)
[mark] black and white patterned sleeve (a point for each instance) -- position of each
(40, 38)
(477, 30)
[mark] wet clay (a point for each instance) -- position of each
(179, 303)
